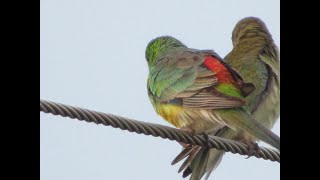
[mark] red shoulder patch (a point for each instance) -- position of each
(214, 64)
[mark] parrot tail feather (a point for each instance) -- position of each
(200, 160)
(205, 162)
(194, 152)
(247, 123)
(184, 153)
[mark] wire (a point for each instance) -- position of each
(155, 130)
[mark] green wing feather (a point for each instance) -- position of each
(182, 75)
(270, 56)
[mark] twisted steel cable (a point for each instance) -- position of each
(155, 130)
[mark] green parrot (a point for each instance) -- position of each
(196, 91)
(256, 58)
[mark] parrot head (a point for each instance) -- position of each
(249, 27)
(159, 46)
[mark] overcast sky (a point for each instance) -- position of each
(92, 56)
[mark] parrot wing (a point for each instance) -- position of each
(270, 56)
(182, 77)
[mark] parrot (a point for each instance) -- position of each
(196, 91)
(256, 58)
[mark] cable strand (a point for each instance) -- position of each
(155, 130)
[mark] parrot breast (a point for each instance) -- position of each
(198, 120)
(170, 113)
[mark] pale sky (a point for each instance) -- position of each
(93, 56)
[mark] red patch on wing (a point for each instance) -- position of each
(223, 75)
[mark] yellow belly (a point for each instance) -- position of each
(198, 120)
(170, 113)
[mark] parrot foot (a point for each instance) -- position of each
(184, 145)
(253, 149)
(206, 136)
(188, 130)
(191, 132)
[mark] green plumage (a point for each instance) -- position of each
(229, 90)
(256, 58)
(194, 90)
